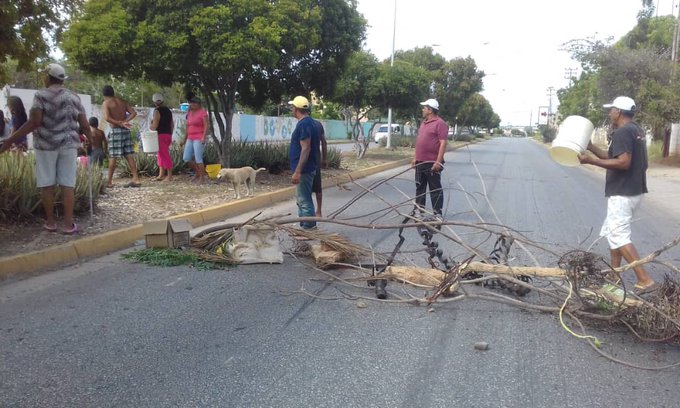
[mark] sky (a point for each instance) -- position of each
(516, 43)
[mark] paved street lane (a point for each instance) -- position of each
(113, 334)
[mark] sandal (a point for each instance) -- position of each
(642, 290)
(50, 228)
(74, 230)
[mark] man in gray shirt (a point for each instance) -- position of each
(57, 119)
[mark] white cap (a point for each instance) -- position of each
(157, 97)
(55, 71)
(432, 103)
(622, 102)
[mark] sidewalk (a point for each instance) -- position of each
(76, 251)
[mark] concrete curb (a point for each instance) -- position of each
(102, 244)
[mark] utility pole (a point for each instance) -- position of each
(550, 94)
(389, 106)
(676, 37)
(570, 73)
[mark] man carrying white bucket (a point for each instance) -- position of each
(626, 182)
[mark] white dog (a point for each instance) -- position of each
(243, 175)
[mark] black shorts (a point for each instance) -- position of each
(316, 184)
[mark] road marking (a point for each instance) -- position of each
(173, 283)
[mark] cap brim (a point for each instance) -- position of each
(424, 103)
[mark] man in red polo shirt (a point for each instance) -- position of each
(429, 158)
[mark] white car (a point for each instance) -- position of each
(382, 132)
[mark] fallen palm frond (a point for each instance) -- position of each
(333, 240)
(213, 240)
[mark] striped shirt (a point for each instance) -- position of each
(60, 127)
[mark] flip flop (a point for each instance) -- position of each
(50, 228)
(74, 230)
(638, 290)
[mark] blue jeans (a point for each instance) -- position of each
(304, 199)
(193, 149)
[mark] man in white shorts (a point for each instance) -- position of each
(626, 182)
(57, 119)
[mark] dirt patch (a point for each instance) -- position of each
(121, 207)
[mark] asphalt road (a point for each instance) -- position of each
(113, 334)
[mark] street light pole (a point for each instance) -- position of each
(389, 104)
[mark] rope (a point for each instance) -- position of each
(595, 340)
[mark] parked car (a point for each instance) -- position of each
(382, 132)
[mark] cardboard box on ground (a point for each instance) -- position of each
(167, 233)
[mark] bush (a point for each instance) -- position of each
(655, 151)
(464, 138)
(20, 197)
(548, 134)
(272, 156)
(334, 158)
(404, 141)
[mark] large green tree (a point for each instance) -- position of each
(638, 65)
(458, 81)
(28, 27)
(354, 92)
(258, 49)
(451, 82)
(401, 87)
(477, 112)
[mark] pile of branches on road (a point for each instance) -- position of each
(439, 266)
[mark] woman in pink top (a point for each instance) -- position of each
(197, 132)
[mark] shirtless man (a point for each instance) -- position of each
(118, 114)
(98, 144)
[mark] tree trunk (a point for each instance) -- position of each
(359, 138)
(221, 103)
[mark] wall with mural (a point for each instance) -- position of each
(247, 128)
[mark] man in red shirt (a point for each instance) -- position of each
(429, 158)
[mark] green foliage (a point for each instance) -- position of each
(334, 157)
(468, 137)
(211, 154)
(147, 164)
(458, 81)
(26, 27)
(548, 133)
(272, 156)
(477, 111)
(637, 66)
(402, 86)
(655, 151)
(169, 257)
(20, 197)
(403, 141)
(260, 48)
(582, 99)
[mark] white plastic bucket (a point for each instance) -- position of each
(150, 141)
(572, 139)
